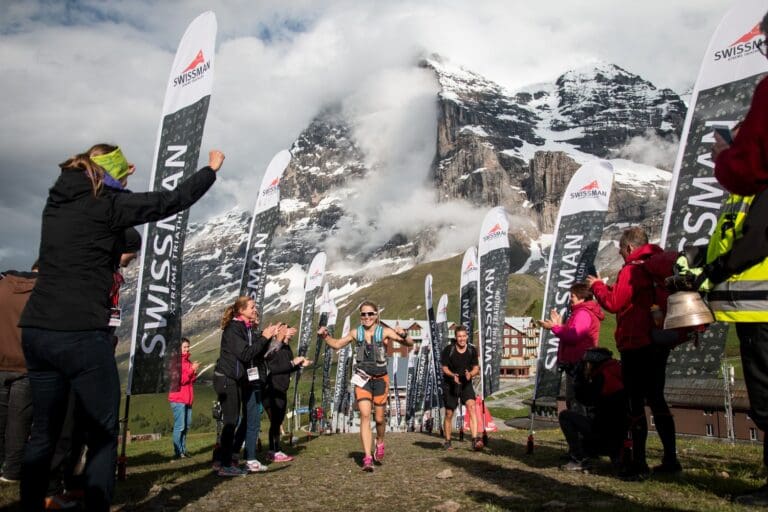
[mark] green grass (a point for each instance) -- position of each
(326, 476)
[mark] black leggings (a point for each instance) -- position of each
(228, 392)
(644, 373)
(276, 402)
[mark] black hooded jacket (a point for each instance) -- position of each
(81, 240)
(241, 347)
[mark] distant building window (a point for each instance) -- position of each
(395, 345)
(710, 430)
(752, 434)
(708, 412)
(506, 332)
(515, 351)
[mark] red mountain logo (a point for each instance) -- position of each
(199, 59)
(275, 182)
(495, 229)
(194, 71)
(749, 35)
(470, 266)
(745, 45)
(594, 185)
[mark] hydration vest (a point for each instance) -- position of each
(743, 297)
(372, 359)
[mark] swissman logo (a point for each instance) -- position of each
(493, 233)
(271, 188)
(470, 267)
(590, 190)
(741, 47)
(194, 71)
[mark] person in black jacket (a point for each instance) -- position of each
(65, 333)
(240, 345)
(280, 365)
(601, 429)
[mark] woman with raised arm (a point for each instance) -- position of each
(65, 325)
(370, 374)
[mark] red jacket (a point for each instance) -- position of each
(580, 333)
(630, 298)
(743, 168)
(186, 392)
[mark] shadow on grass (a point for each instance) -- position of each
(529, 489)
(145, 491)
(429, 445)
(544, 455)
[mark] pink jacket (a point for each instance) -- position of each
(186, 392)
(580, 332)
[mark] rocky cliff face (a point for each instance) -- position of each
(493, 147)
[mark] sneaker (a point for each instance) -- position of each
(635, 472)
(477, 444)
(368, 464)
(281, 457)
(378, 454)
(232, 471)
(576, 465)
(668, 468)
(59, 502)
(758, 498)
(447, 446)
(254, 466)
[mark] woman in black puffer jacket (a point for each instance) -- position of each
(280, 365)
(65, 336)
(240, 345)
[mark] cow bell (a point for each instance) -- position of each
(687, 309)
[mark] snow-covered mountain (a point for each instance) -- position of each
(492, 147)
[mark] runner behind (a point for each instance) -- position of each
(370, 374)
(460, 365)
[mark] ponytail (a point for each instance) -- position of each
(232, 310)
(92, 170)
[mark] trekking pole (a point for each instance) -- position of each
(461, 412)
(529, 443)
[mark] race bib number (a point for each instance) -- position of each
(360, 378)
(115, 317)
(253, 374)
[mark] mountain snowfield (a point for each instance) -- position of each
(493, 147)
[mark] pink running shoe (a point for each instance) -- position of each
(368, 464)
(378, 454)
(281, 457)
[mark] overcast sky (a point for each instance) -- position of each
(79, 72)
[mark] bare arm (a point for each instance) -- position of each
(400, 337)
(334, 342)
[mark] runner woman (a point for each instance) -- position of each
(370, 374)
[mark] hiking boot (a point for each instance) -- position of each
(378, 454)
(447, 446)
(576, 465)
(758, 498)
(635, 473)
(368, 464)
(232, 471)
(59, 502)
(281, 457)
(254, 466)
(477, 444)
(668, 468)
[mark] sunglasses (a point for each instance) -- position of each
(367, 313)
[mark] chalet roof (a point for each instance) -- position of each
(708, 393)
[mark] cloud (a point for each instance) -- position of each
(81, 72)
(650, 149)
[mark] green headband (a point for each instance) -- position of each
(114, 163)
